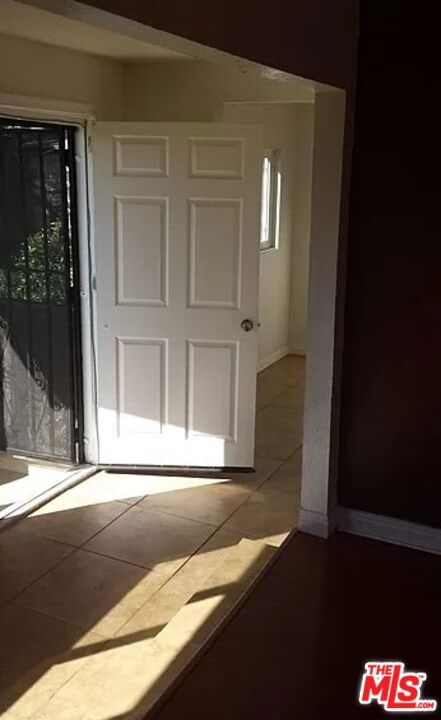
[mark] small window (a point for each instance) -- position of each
(270, 211)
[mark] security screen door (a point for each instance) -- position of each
(177, 211)
(40, 386)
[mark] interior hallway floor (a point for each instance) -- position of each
(110, 589)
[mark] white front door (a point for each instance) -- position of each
(177, 262)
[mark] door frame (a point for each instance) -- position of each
(80, 117)
(327, 270)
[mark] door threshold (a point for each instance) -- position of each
(71, 477)
(173, 469)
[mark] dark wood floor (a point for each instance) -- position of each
(297, 647)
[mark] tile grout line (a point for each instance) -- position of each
(73, 549)
(14, 597)
(175, 515)
(82, 547)
(87, 660)
(215, 530)
(62, 621)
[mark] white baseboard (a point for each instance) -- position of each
(273, 357)
(387, 529)
(296, 351)
(316, 523)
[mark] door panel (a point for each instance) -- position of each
(177, 261)
(141, 258)
(141, 412)
(215, 253)
(212, 381)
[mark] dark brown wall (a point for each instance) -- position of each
(312, 38)
(390, 461)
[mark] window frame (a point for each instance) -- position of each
(273, 201)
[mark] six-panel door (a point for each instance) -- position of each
(177, 256)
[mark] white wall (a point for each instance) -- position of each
(283, 301)
(283, 283)
(32, 68)
(195, 91)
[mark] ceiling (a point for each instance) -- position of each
(32, 23)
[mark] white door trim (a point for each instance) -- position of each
(312, 522)
(85, 209)
(319, 484)
(38, 108)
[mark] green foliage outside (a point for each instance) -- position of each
(44, 285)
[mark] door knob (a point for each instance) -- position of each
(247, 325)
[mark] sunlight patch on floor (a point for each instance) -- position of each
(22, 479)
(123, 487)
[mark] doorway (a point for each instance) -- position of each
(128, 92)
(40, 355)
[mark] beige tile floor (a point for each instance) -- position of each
(108, 591)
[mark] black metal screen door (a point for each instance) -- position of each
(39, 308)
